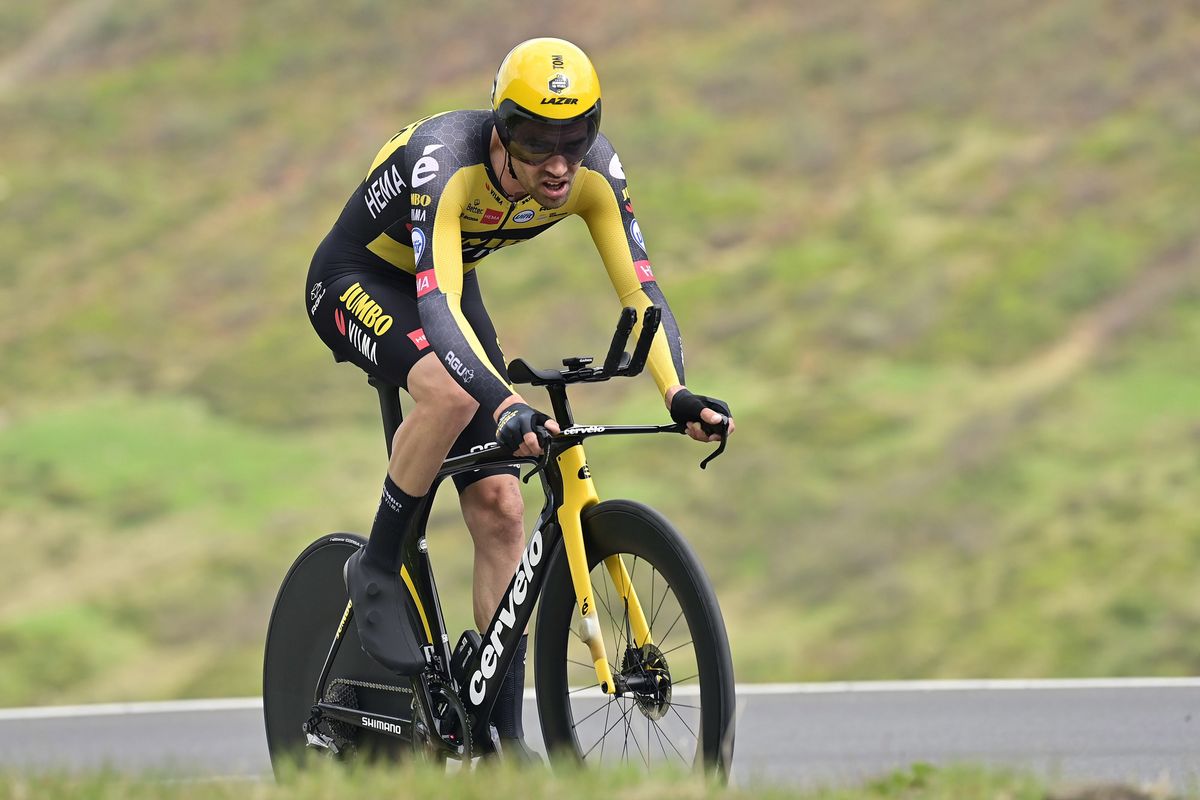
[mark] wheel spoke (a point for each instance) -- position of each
(594, 713)
(607, 607)
(658, 731)
(628, 632)
(684, 721)
(636, 744)
(684, 705)
(653, 575)
(662, 601)
(583, 688)
(663, 640)
(606, 713)
(606, 732)
(580, 663)
(673, 649)
(685, 680)
(625, 749)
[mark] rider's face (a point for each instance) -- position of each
(549, 183)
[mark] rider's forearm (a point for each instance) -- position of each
(457, 347)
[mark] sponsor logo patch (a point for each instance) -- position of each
(369, 313)
(635, 231)
(315, 294)
(426, 168)
(418, 243)
(507, 618)
(418, 339)
(379, 192)
(523, 216)
(615, 169)
(458, 367)
(339, 319)
(491, 216)
(559, 83)
(644, 272)
(362, 342)
(426, 282)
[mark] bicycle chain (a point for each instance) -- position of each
(384, 687)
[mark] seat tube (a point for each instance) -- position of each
(579, 493)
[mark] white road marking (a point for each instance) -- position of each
(743, 690)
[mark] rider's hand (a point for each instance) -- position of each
(516, 426)
(693, 409)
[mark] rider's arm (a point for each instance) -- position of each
(437, 252)
(606, 208)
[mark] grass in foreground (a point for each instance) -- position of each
(920, 782)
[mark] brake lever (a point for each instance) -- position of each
(544, 437)
(724, 428)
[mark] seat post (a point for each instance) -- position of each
(389, 408)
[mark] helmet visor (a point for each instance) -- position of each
(535, 140)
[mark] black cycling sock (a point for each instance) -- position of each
(506, 714)
(391, 521)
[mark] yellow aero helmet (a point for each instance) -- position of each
(546, 101)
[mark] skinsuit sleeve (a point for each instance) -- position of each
(606, 208)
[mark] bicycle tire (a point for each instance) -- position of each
(633, 529)
(308, 609)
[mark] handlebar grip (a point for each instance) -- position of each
(625, 323)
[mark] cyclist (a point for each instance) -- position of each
(393, 289)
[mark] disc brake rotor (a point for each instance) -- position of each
(649, 677)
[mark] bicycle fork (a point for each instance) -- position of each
(579, 494)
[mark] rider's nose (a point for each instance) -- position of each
(556, 166)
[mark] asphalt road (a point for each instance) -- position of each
(1138, 731)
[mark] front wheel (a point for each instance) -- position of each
(677, 707)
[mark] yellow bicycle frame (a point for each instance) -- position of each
(579, 493)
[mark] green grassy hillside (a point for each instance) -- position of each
(941, 258)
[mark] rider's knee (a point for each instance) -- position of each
(447, 403)
(497, 510)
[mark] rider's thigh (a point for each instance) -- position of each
(438, 395)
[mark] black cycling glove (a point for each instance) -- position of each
(516, 421)
(686, 407)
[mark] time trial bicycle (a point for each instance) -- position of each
(631, 659)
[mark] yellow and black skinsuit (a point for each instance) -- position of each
(395, 276)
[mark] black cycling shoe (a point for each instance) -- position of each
(517, 752)
(385, 628)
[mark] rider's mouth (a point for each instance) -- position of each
(555, 188)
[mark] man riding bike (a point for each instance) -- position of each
(393, 289)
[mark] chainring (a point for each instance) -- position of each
(450, 724)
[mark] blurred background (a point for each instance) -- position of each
(942, 259)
